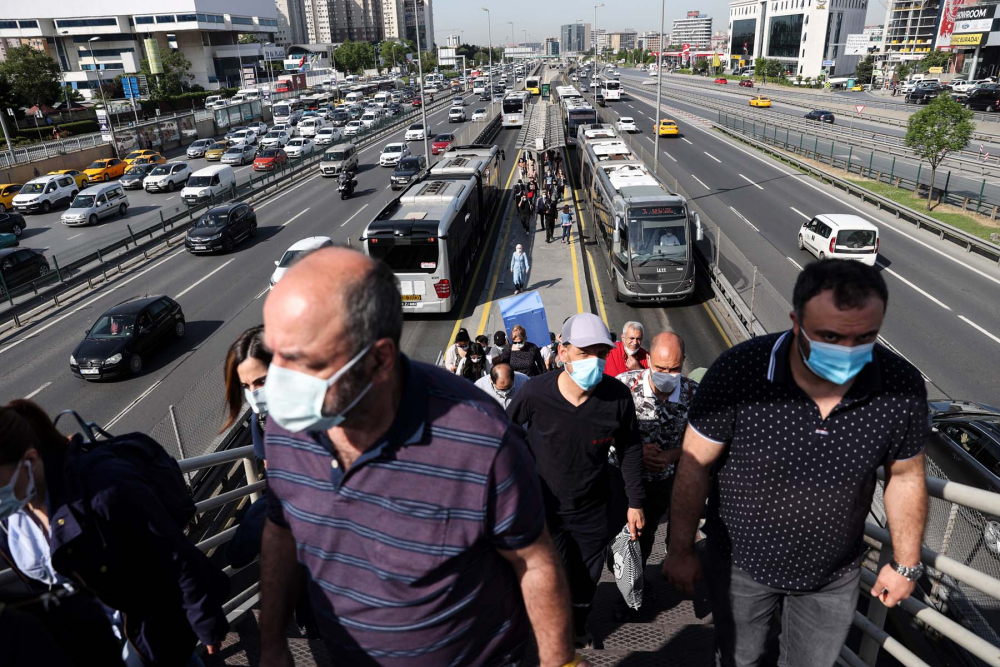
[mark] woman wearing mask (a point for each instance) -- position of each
(245, 371)
(457, 351)
(475, 365)
(499, 345)
(523, 355)
(519, 268)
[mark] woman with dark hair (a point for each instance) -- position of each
(457, 351)
(475, 365)
(523, 355)
(245, 371)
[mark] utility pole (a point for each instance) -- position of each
(420, 75)
(659, 86)
(489, 33)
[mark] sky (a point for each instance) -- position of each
(542, 18)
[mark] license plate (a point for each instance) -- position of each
(199, 247)
(89, 371)
(411, 297)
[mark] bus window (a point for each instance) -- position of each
(416, 256)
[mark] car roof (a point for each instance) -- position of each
(843, 220)
(132, 306)
(8, 251)
(228, 206)
(310, 243)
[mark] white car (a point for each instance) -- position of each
(299, 147)
(328, 135)
(840, 236)
(165, 177)
(258, 127)
(393, 153)
(236, 154)
(275, 138)
(244, 137)
(456, 115)
(353, 127)
(298, 250)
(415, 132)
(574, 78)
(626, 124)
(369, 119)
(479, 115)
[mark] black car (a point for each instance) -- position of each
(222, 227)
(484, 97)
(406, 170)
(822, 116)
(19, 266)
(126, 334)
(340, 118)
(923, 94)
(600, 99)
(984, 99)
(12, 223)
(132, 178)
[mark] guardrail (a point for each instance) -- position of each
(92, 269)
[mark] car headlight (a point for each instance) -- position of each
(114, 359)
(72, 360)
(216, 237)
(204, 193)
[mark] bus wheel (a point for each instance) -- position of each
(614, 290)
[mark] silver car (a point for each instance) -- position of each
(239, 154)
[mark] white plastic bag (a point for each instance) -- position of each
(626, 561)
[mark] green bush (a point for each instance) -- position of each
(183, 101)
(682, 71)
(74, 128)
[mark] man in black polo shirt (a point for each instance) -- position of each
(796, 425)
(572, 419)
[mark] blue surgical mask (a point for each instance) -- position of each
(835, 363)
(587, 372)
(295, 400)
(9, 503)
(256, 400)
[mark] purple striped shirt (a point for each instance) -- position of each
(402, 550)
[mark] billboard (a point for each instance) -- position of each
(857, 45)
(153, 55)
(946, 22)
(446, 57)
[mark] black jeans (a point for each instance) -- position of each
(814, 624)
(581, 539)
(550, 228)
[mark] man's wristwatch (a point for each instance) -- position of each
(911, 573)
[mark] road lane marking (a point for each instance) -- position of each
(355, 215)
(74, 236)
(741, 217)
(670, 156)
(204, 278)
(292, 219)
(131, 405)
(683, 139)
(648, 139)
(794, 263)
(262, 292)
(800, 213)
(700, 181)
(976, 326)
(170, 197)
(712, 156)
(36, 392)
(751, 182)
(907, 282)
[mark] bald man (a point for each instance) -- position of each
(662, 397)
(502, 383)
(387, 477)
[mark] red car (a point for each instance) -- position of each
(417, 102)
(270, 159)
(441, 143)
(746, 83)
(722, 80)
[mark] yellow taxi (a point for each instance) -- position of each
(668, 128)
(81, 178)
(135, 155)
(857, 89)
(760, 101)
(7, 192)
(105, 170)
(153, 158)
(216, 150)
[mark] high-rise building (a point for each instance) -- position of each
(599, 39)
(694, 30)
(453, 41)
(334, 21)
(424, 17)
(910, 30)
(574, 38)
(393, 22)
(291, 22)
(552, 46)
(622, 41)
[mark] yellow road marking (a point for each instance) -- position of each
(572, 249)
(718, 326)
(479, 264)
(488, 305)
(598, 294)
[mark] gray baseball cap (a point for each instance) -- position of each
(586, 329)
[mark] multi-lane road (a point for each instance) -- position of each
(942, 314)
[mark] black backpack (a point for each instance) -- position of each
(157, 468)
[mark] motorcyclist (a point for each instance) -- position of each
(347, 182)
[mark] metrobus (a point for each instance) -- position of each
(567, 93)
(430, 236)
(576, 113)
(479, 160)
(611, 89)
(646, 233)
(515, 108)
(532, 85)
(285, 112)
(479, 85)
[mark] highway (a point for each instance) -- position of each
(941, 314)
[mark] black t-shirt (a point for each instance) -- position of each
(570, 444)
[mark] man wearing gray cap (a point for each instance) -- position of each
(572, 419)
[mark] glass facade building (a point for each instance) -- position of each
(785, 36)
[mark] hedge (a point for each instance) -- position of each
(74, 128)
(183, 101)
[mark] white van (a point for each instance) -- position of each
(211, 100)
(840, 236)
(207, 183)
(44, 192)
(308, 127)
(96, 202)
(249, 94)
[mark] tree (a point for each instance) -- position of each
(248, 39)
(481, 58)
(864, 70)
(354, 56)
(176, 77)
(939, 128)
(33, 76)
(903, 71)
(936, 58)
(700, 65)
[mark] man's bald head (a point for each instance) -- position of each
(666, 352)
(502, 376)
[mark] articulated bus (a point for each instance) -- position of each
(533, 85)
(576, 113)
(566, 93)
(479, 160)
(515, 108)
(611, 89)
(430, 236)
(646, 233)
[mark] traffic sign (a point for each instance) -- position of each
(859, 107)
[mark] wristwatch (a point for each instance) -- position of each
(911, 573)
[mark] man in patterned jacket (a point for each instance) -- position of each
(662, 397)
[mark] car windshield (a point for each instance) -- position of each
(236, 130)
(393, 148)
(133, 155)
(83, 201)
(136, 171)
(214, 218)
(112, 326)
(270, 152)
(658, 238)
(295, 142)
(199, 181)
(409, 163)
(416, 126)
(335, 155)
(235, 150)
(290, 257)
(33, 188)
(218, 146)
(160, 171)
(442, 138)
(100, 164)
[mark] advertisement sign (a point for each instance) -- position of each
(979, 25)
(971, 39)
(446, 57)
(104, 124)
(130, 85)
(946, 22)
(857, 45)
(829, 63)
(153, 55)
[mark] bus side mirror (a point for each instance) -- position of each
(699, 231)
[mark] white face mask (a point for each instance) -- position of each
(665, 383)
(516, 346)
(9, 503)
(256, 400)
(631, 351)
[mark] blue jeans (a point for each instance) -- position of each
(814, 624)
(566, 229)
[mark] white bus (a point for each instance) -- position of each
(287, 112)
(576, 113)
(479, 85)
(515, 108)
(611, 89)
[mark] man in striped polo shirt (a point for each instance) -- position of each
(410, 499)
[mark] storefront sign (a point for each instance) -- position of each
(972, 39)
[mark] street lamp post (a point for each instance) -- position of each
(239, 58)
(597, 37)
(659, 63)
(100, 88)
(513, 41)
(420, 75)
(489, 33)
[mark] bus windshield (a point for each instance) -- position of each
(612, 85)
(409, 256)
(579, 117)
(657, 235)
(513, 105)
(281, 109)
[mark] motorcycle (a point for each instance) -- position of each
(347, 185)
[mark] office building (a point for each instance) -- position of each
(204, 35)
(291, 22)
(340, 20)
(424, 17)
(695, 30)
(806, 37)
(599, 39)
(622, 41)
(910, 31)
(552, 46)
(393, 21)
(574, 38)
(453, 41)
(650, 40)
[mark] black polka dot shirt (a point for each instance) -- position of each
(791, 492)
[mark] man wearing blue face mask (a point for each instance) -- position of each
(796, 425)
(573, 417)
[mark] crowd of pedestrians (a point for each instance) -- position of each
(411, 519)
